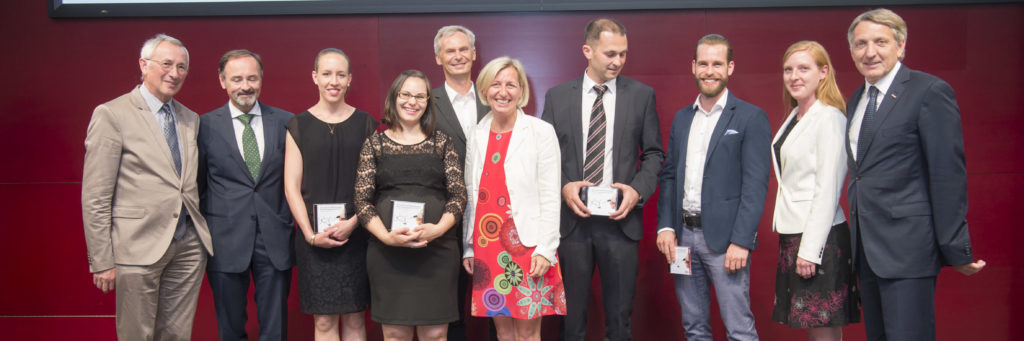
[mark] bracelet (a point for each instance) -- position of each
(312, 239)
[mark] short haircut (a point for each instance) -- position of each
(228, 56)
(150, 46)
(490, 71)
(596, 26)
(881, 16)
(446, 31)
(714, 39)
(427, 121)
(329, 50)
(827, 91)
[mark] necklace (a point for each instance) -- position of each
(330, 127)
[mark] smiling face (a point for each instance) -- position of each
(874, 50)
(505, 92)
(242, 80)
(332, 77)
(606, 56)
(802, 76)
(712, 69)
(412, 101)
(456, 55)
(164, 72)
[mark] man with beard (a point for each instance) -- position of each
(607, 127)
(713, 188)
(241, 188)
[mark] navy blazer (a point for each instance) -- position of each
(735, 180)
(637, 141)
(908, 194)
(236, 205)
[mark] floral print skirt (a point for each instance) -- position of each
(827, 299)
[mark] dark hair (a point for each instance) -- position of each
(596, 26)
(427, 121)
(316, 61)
(714, 39)
(228, 56)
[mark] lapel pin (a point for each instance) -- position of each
(893, 96)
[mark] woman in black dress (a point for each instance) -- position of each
(321, 154)
(413, 270)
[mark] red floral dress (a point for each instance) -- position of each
(501, 282)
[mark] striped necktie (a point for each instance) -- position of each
(594, 169)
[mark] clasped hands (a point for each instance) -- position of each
(414, 237)
(571, 195)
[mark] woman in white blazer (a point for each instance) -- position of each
(815, 288)
(511, 230)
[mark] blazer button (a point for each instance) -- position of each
(253, 218)
(175, 215)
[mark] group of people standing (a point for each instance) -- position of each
(505, 195)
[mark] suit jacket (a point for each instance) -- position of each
(448, 121)
(811, 180)
(533, 177)
(236, 205)
(908, 193)
(131, 194)
(637, 141)
(735, 180)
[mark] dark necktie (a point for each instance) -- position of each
(170, 134)
(867, 124)
(594, 169)
(250, 147)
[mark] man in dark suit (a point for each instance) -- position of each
(458, 110)
(607, 126)
(908, 183)
(713, 189)
(241, 155)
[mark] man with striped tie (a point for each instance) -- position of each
(607, 127)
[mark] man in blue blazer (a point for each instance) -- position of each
(908, 183)
(713, 188)
(241, 156)
(609, 138)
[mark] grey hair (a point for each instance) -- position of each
(150, 46)
(450, 30)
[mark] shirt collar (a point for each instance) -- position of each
(719, 104)
(588, 84)
(152, 102)
(453, 95)
(235, 112)
(885, 82)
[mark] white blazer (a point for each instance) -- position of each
(813, 170)
(533, 176)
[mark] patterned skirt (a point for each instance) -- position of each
(827, 299)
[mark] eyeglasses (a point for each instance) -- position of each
(167, 65)
(405, 96)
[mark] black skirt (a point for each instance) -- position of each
(827, 299)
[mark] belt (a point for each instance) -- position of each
(691, 220)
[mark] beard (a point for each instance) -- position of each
(244, 102)
(711, 92)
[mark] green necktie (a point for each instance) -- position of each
(249, 146)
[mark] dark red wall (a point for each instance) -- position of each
(57, 70)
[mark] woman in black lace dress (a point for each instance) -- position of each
(413, 270)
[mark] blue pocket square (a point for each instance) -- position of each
(730, 132)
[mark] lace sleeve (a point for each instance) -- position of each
(454, 181)
(366, 180)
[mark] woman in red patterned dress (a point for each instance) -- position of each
(511, 223)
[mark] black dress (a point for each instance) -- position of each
(412, 286)
(333, 280)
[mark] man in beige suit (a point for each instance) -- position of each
(140, 204)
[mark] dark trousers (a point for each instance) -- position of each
(598, 241)
(230, 296)
(895, 308)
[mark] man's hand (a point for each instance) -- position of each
(468, 264)
(104, 280)
(571, 195)
(735, 258)
(805, 268)
(667, 245)
(970, 268)
(629, 199)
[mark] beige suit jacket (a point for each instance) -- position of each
(131, 194)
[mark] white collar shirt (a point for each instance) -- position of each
(256, 122)
(589, 96)
(465, 107)
(701, 128)
(883, 85)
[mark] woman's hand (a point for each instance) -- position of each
(805, 268)
(406, 237)
(324, 240)
(430, 232)
(539, 266)
(343, 229)
(468, 264)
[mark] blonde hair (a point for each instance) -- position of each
(490, 71)
(828, 91)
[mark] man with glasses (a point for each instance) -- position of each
(140, 204)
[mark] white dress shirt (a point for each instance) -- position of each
(465, 107)
(858, 113)
(589, 96)
(256, 122)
